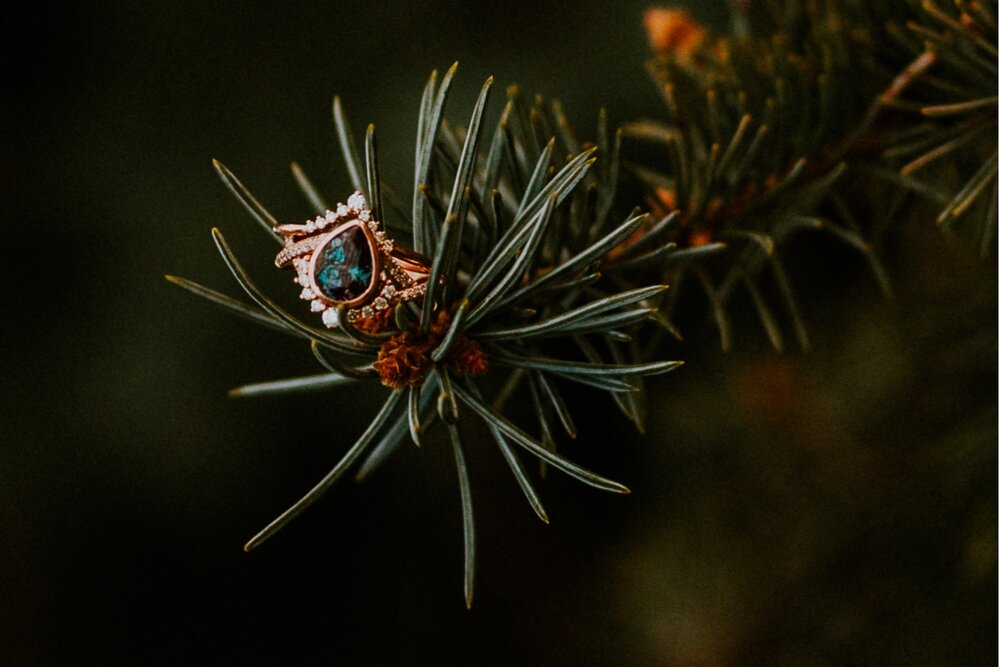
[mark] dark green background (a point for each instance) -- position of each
(825, 508)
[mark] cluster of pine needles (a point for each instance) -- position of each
(808, 116)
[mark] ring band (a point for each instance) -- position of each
(345, 258)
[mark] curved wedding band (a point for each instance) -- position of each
(345, 258)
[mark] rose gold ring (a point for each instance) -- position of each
(345, 258)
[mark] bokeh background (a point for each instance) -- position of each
(835, 507)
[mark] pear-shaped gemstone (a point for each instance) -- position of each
(343, 269)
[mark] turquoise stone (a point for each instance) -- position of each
(343, 269)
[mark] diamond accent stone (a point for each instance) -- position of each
(330, 318)
(303, 272)
(317, 305)
(357, 201)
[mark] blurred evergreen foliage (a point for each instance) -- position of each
(795, 123)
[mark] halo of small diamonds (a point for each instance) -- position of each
(314, 249)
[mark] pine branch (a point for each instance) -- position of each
(949, 140)
(753, 143)
(514, 221)
(541, 271)
(767, 127)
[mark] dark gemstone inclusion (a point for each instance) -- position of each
(343, 270)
